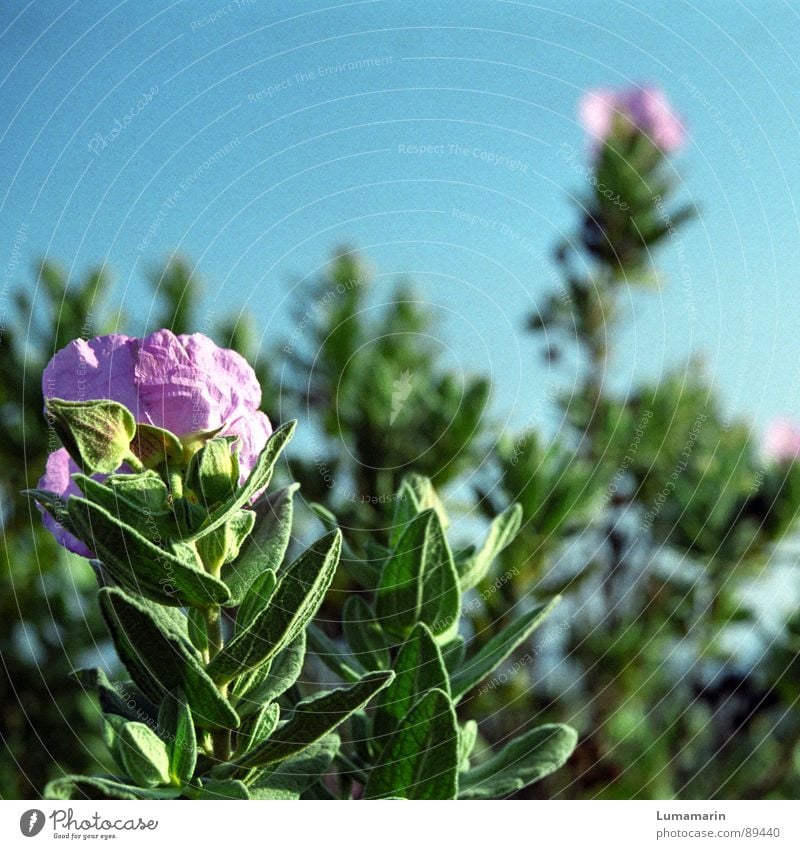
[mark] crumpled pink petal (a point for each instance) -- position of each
(186, 384)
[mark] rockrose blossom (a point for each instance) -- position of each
(185, 384)
(644, 107)
(782, 441)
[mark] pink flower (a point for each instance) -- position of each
(642, 108)
(185, 384)
(782, 440)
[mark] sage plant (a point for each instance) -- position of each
(162, 482)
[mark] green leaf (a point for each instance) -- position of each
(273, 679)
(97, 434)
(177, 728)
(216, 789)
(258, 479)
(294, 775)
(160, 661)
(156, 524)
(347, 668)
(139, 565)
(418, 668)
(144, 754)
(419, 582)
(292, 606)
(420, 760)
(258, 728)
(501, 533)
(364, 635)
(475, 669)
(529, 758)
(313, 719)
(266, 546)
(87, 787)
(406, 508)
(256, 599)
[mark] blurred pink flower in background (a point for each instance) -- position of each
(782, 440)
(645, 108)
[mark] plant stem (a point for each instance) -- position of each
(221, 739)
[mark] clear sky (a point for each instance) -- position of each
(257, 135)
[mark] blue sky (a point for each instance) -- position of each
(258, 135)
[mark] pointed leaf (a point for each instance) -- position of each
(292, 606)
(420, 760)
(177, 728)
(313, 719)
(419, 582)
(144, 754)
(87, 787)
(418, 668)
(501, 533)
(273, 679)
(529, 758)
(139, 565)
(475, 669)
(294, 775)
(160, 661)
(266, 546)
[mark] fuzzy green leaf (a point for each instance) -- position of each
(88, 787)
(144, 754)
(527, 759)
(272, 679)
(294, 775)
(139, 565)
(473, 569)
(220, 789)
(177, 728)
(160, 661)
(420, 760)
(476, 668)
(258, 479)
(256, 599)
(257, 728)
(313, 719)
(419, 582)
(266, 546)
(292, 606)
(418, 668)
